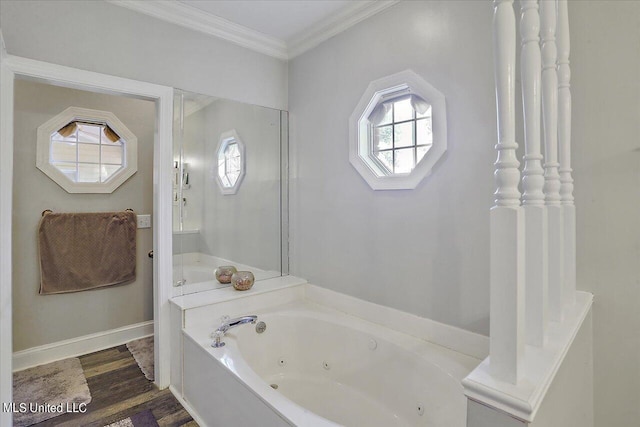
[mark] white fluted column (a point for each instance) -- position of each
(535, 211)
(506, 216)
(564, 141)
(552, 178)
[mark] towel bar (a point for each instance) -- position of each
(49, 210)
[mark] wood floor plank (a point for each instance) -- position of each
(118, 384)
(108, 367)
(99, 357)
(105, 412)
(132, 410)
(119, 390)
(165, 405)
(175, 419)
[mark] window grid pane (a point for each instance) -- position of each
(96, 158)
(63, 151)
(229, 164)
(88, 133)
(88, 153)
(111, 155)
(403, 110)
(401, 144)
(69, 169)
(404, 160)
(107, 171)
(403, 135)
(383, 137)
(88, 172)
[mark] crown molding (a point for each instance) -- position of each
(335, 24)
(198, 103)
(195, 19)
(198, 20)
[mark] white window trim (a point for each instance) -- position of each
(225, 137)
(359, 131)
(71, 114)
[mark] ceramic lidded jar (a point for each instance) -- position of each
(224, 273)
(242, 280)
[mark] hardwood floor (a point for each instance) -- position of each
(119, 390)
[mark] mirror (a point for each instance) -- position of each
(229, 191)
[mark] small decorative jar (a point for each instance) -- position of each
(242, 280)
(224, 273)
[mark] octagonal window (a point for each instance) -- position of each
(230, 162)
(397, 131)
(86, 151)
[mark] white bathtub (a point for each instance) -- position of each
(329, 368)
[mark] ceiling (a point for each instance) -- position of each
(281, 19)
(279, 28)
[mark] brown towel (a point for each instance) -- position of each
(80, 251)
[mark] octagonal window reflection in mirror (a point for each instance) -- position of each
(230, 157)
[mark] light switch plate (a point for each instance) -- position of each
(144, 221)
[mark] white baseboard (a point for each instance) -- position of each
(47, 353)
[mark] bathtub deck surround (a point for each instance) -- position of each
(314, 338)
(195, 272)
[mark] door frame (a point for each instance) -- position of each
(12, 67)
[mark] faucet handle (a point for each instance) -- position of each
(225, 318)
(217, 339)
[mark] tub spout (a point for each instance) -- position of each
(227, 324)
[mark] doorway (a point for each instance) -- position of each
(13, 68)
(46, 326)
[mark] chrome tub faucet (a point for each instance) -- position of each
(226, 324)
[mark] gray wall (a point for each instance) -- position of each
(42, 319)
(102, 37)
(424, 251)
(605, 59)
